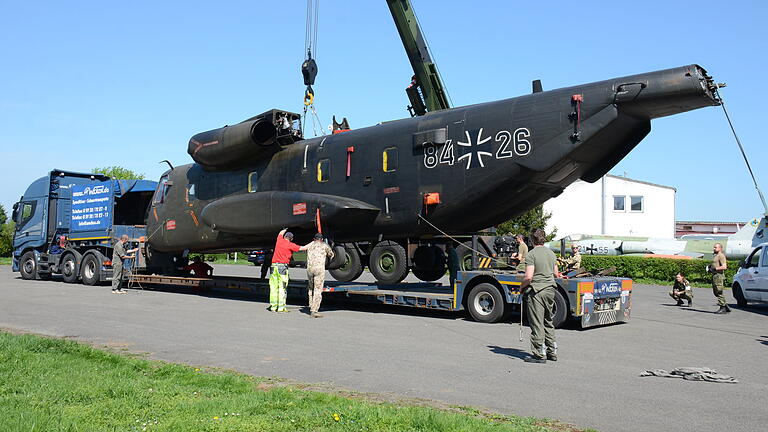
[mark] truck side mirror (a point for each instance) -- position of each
(15, 212)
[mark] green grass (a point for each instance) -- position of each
(5, 260)
(51, 385)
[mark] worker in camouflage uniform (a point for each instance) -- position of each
(118, 255)
(539, 289)
(717, 268)
(317, 251)
(522, 252)
(574, 262)
(681, 290)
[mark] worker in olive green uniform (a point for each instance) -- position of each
(681, 290)
(717, 268)
(574, 262)
(453, 263)
(317, 251)
(118, 255)
(522, 252)
(539, 289)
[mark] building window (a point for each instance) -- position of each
(636, 203)
(323, 170)
(389, 159)
(618, 203)
(253, 182)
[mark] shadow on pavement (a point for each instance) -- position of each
(510, 352)
(756, 309)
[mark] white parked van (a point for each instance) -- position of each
(750, 284)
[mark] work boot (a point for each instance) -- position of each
(316, 315)
(679, 303)
(690, 303)
(552, 357)
(727, 309)
(723, 310)
(534, 359)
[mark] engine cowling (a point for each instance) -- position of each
(230, 146)
(257, 138)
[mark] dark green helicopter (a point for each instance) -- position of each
(388, 193)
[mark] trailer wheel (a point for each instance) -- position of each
(485, 303)
(560, 310)
(464, 251)
(388, 262)
(352, 267)
(738, 294)
(428, 263)
(69, 270)
(28, 267)
(89, 272)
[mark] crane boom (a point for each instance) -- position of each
(426, 93)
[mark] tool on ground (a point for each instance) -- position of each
(522, 303)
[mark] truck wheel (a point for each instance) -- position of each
(560, 310)
(28, 267)
(352, 267)
(69, 268)
(428, 263)
(90, 270)
(738, 294)
(388, 262)
(485, 303)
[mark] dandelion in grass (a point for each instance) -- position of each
(336, 417)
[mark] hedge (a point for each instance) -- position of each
(658, 269)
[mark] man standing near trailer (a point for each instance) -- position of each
(278, 279)
(453, 263)
(539, 288)
(522, 252)
(317, 251)
(118, 255)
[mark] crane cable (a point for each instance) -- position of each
(738, 141)
(309, 66)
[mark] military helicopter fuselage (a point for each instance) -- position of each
(462, 169)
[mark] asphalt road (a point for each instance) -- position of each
(438, 356)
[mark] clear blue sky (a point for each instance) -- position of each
(86, 84)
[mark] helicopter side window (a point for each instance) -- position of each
(389, 159)
(253, 182)
(323, 170)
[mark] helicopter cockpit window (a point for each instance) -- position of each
(190, 191)
(323, 170)
(253, 182)
(389, 159)
(162, 190)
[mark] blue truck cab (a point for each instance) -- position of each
(67, 222)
